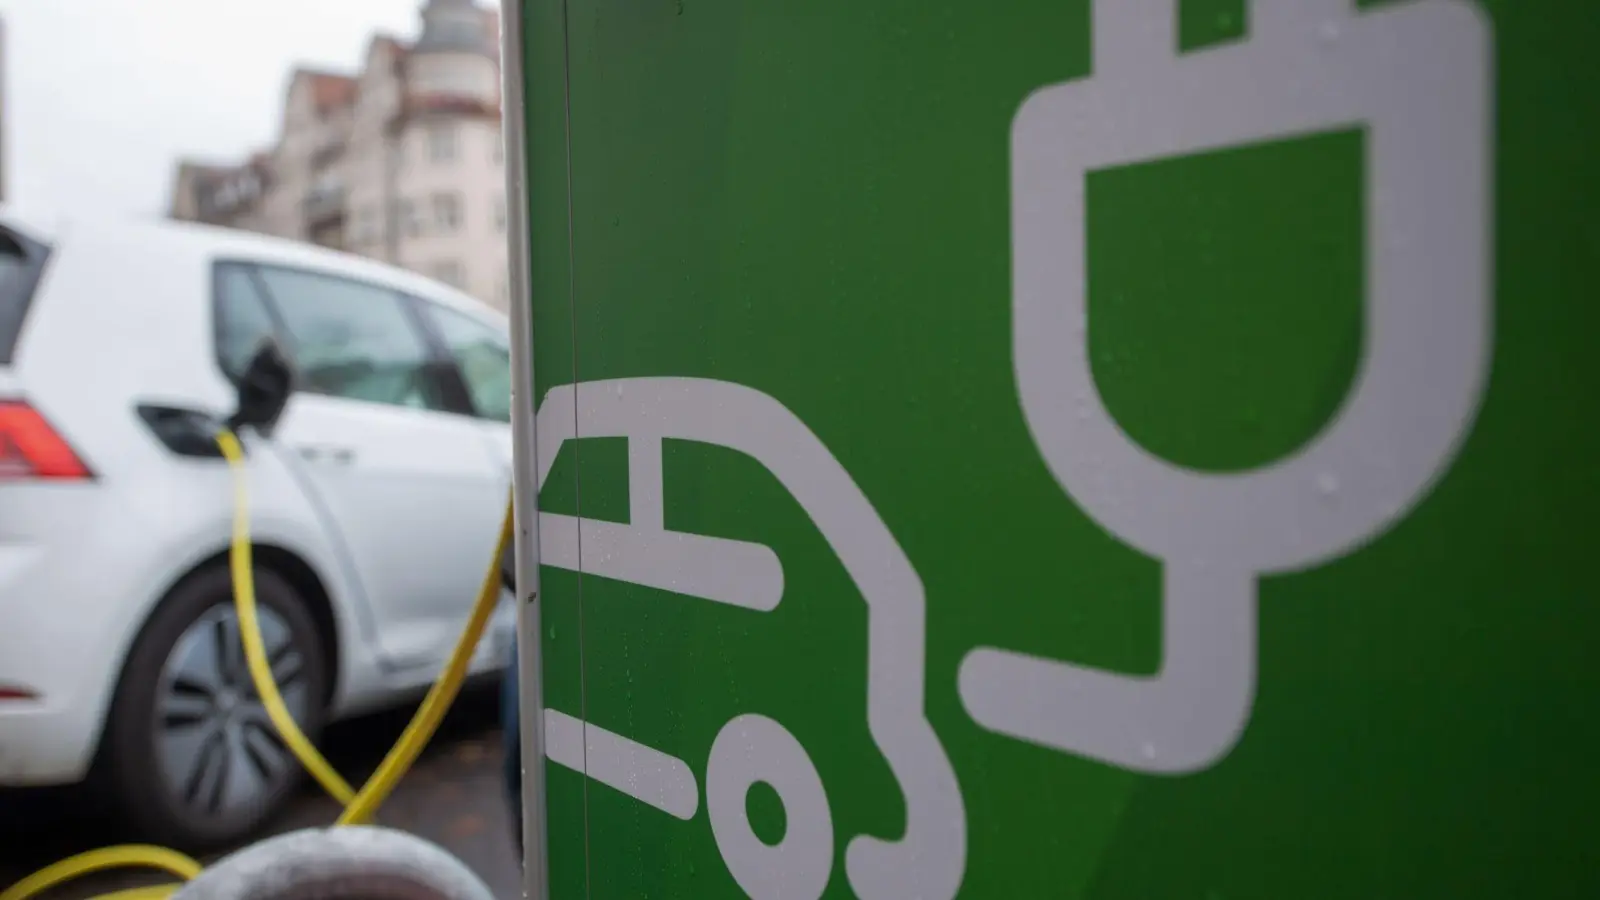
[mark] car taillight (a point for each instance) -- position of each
(30, 448)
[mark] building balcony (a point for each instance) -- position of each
(328, 234)
(324, 206)
(223, 196)
(326, 155)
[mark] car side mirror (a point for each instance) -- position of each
(264, 388)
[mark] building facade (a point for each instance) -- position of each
(401, 162)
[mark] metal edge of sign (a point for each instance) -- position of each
(525, 493)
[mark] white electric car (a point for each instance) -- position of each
(375, 506)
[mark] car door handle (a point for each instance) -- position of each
(327, 453)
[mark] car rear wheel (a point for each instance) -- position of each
(190, 751)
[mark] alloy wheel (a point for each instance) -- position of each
(218, 751)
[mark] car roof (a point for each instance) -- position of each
(213, 242)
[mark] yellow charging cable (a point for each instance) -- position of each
(255, 649)
(358, 807)
(142, 855)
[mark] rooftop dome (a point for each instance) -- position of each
(454, 26)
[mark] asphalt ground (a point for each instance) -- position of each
(453, 797)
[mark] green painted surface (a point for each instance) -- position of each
(812, 200)
(1228, 355)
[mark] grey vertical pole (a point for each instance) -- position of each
(525, 489)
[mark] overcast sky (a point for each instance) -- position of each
(102, 96)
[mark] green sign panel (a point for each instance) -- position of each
(1113, 449)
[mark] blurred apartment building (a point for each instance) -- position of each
(402, 162)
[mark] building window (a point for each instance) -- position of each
(449, 272)
(500, 214)
(441, 143)
(410, 220)
(446, 213)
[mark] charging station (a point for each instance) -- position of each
(1107, 449)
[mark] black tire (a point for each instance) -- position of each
(130, 758)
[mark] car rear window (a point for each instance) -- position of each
(21, 261)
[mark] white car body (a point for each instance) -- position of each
(385, 515)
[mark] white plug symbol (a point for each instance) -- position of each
(1416, 77)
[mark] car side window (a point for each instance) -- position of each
(483, 356)
(243, 319)
(353, 340)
